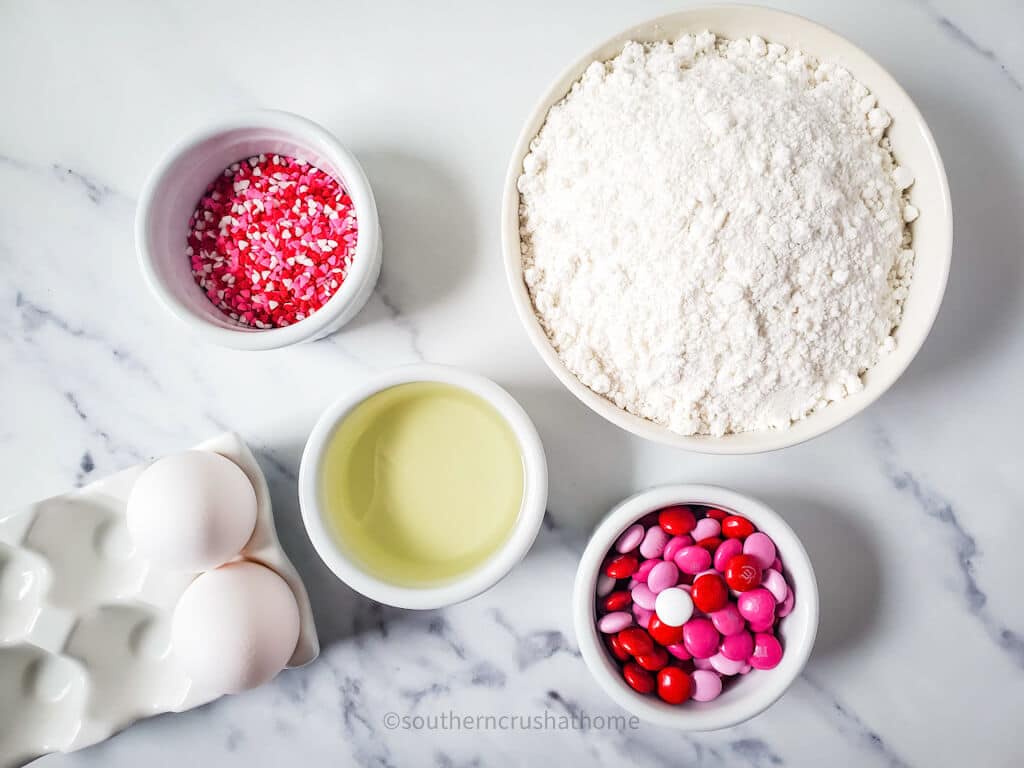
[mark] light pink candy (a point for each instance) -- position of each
(700, 638)
(605, 585)
(643, 596)
(630, 539)
(644, 569)
(654, 542)
(726, 666)
(725, 552)
(777, 565)
(767, 652)
(702, 663)
(728, 620)
(692, 559)
(787, 605)
(737, 647)
(662, 576)
(706, 528)
(707, 685)
(642, 616)
(614, 622)
(760, 547)
(674, 545)
(746, 669)
(756, 606)
(679, 651)
(775, 583)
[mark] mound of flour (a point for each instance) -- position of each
(713, 233)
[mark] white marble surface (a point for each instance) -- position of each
(912, 512)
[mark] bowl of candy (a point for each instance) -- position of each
(695, 607)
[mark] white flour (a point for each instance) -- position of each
(713, 233)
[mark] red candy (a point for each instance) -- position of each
(616, 648)
(622, 567)
(709, 593)
(271, 240)
(736, 527)
(653, 661)
(638, 678)
(617, 601)
(743, 573)
(716, 514)
(710, 544)
(635, 641)
(677, 521)
(674, 685)
(662, 633)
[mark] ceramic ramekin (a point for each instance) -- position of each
(531, 513)
(912, 145)
(742, 698)
(175, 186)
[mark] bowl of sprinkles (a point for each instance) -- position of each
(695, 607)
(260, 232)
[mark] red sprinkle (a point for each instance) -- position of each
(271, 240)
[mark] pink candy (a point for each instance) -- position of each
(700, 638)
(728, 620)
(725, 552)
(643, 596)
(737, 647)
(757, 606)
(630, 539)
(675, 544)
(611, 623)
(644, 569)
(662, 576)
(760, 547)
(767, 652)
(706, 528)
(654, 542)
(706, 685)
(693, 559)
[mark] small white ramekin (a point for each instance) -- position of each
(170, 195)
(531, 513)
(742, 699)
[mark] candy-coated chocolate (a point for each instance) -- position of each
(692, 559)
(702, 663)
(678, 650)
(736, 527)
(616, 648)
(777, 564)
(706, 528)
(638, 678)
(644, 570)
(664, 634)
(674, 685)
(746, 669)
(709, 592)
(617, 601)
(787, 605)
(725, 552)
(674, 606)
(726, 666)
(630, 539)
(768, 625)
(757, 606)
(635, 641)
(701, 638)
(710, 544)
(642, 616)
(622, 567)
(738, 646)
(662, 576)
(775, 583)
(605, 584)
(728, 620)
(677, 521)
(767, 652)
(674, 545)
(760, 547)
(654, 542)
(716, 514)
(707, 685)
(641, 595)
(615, 622)
(742, 573)
(653, 661)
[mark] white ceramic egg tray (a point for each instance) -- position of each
(85, 644)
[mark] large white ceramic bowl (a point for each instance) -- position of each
(170, 195)
(912, 145)
(334, 551)
(742, 698)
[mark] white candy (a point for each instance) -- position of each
(673, 607)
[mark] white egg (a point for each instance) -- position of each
(191, 511)
(235, 627)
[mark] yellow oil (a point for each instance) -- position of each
(422, 483)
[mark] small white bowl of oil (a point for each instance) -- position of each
(424, 486)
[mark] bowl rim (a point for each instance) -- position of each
(492, 570)
(702, 717)
(764, 440)
(365, 262)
